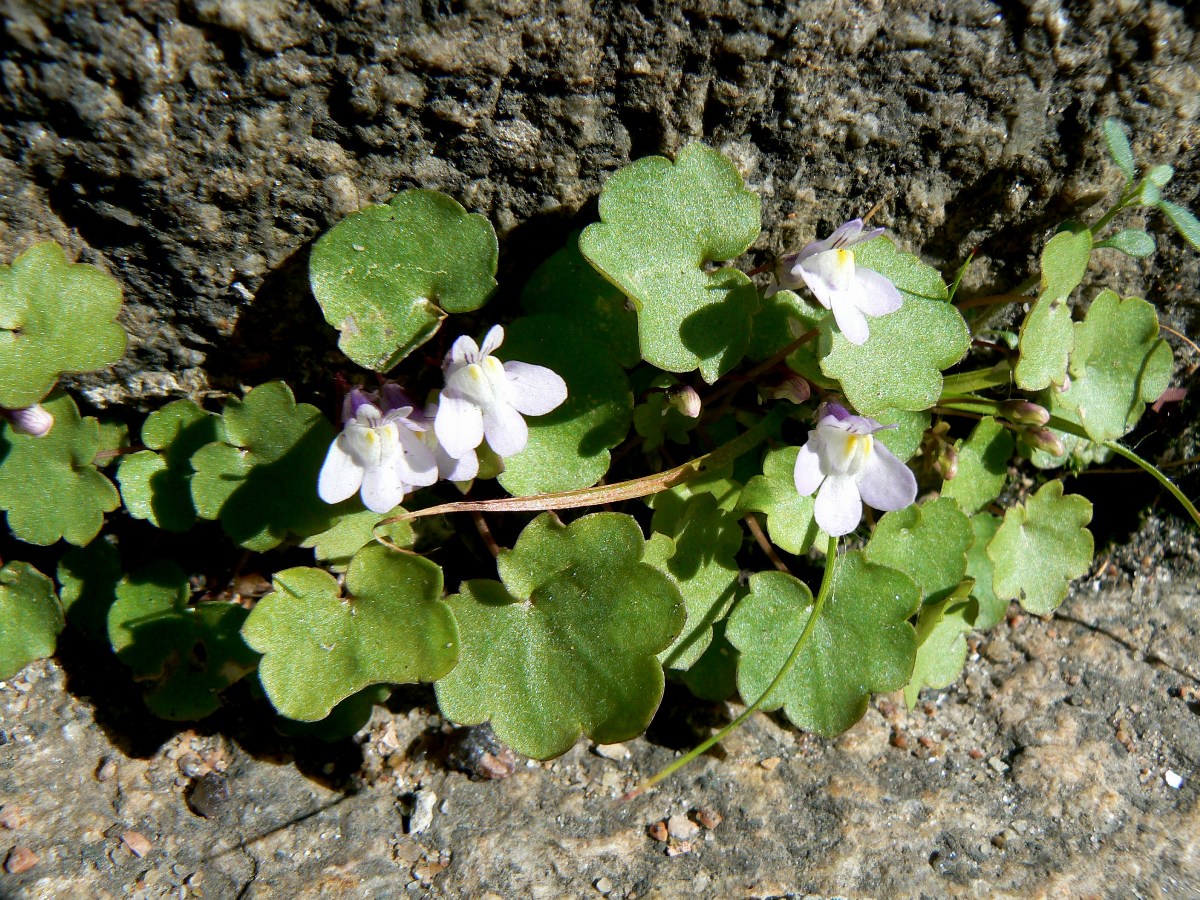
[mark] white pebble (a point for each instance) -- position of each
(422, 814)
(1173, 779)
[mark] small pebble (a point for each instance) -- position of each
(771, 763)
(422, 814)
(707, 818)
(679, 849)
(10, 816)
(209, 795)
(20, 859)
(137, 843)
(107, 770)
(658, 831)
(681, 828)
(603, 885)
(191, 765)
(1173, 779)
(998, 764)
(617, 752)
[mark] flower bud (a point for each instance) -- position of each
(685, 399)
(947, 463)
(1045, 439)
(34, 420)
(1023, 412)
(794, 388)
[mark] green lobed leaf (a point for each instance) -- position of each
(713, 676)
(862, 643)
(569, 642)
(982, 466)
(695, 548)
(343, 721)
(31, 617)
(352, 531)
(928, 542)
(48, 485)
(1131, 242)
(1041, 547)
(941, 642)
(1184, 221)
(56, 317)
(385, 276)
(656, 421)
(661, 223)
(980, 570)
(113, 436)
(568, 447)
(781, 319)
(157, 487)
(1046, 336)
(87, 578)
(190, 653)
(1118, 147)
(905, 439)
(790, 522)
(1148, 193)
(320, 646)
(566, 285)
(260, 478)
(1119, 364)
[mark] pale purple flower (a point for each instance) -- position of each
(828, 268)
(35, 421)
(485, 398)
(379, 453)
(845, 466)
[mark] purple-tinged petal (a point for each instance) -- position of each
(462, 351)
(382, 489)
(885, 483)
(846, 234)
(865, 236)
(341, 475)
(355, 398)
(492, 341)
(836, 410)
(838, 509)
(850, 320)
(878, 296)
(534, 390)
(807, 474)
(458, 425)
(395, 397)
(505, 430)
(35, 421)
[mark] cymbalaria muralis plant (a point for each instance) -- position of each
(624, 453)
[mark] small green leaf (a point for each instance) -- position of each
(113, 436)
(713, 676)
(319, 646)
(695, 548)
(928, 542)
(1119, 364)
(343, 721)
(1185, 223)
(566, 285)
(30, 617)
(992, 609)
(1042, 546)
(568, 447)
(900, 366)
(385, 276)
(656, 421)
(661, 223)
(861, 644)
(1160, 175)
(158, 486)
(1046, 337)
(569, 642)
(781, 319)
(905, 439)
(352, 531)
(982, 466)
(941, 642)
(1118, 147)
(719, 482)
(790, 522)
(48, 485)
(260, 478)
(56, 317)
(88, 578)
(1131, 242)
(190, 653)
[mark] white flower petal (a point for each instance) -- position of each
(534, 390)
(463, 351)
(819, 287)
(458, 425)
(416, 464)
(341, 475)
(850, 319)
(885, 483)
(383, 489)
(808, 474)
(505, 430)
(879, 296)
(838, 509)
(492, 341)
(452, 469)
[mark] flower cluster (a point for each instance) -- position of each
(387, 448)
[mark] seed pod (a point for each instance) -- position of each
(1024, 412)
(1045, 439)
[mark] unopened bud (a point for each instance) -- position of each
(947, 463)
(1023, 412)
(1065, 386)
(794, 388)
(685, 399)
(1045, 439)
(32, 420)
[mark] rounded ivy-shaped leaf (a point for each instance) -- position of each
(260, 478)
(320, 646)
(188, 653)
(928, 543)
(982, 466)
(905, 439)
(55, 317)
(713, 676)
(1119, 364)
(569, 446)
(158, 486)
(661, 223)
(861, 644)
(48, 485)
(568, 643)
(981, 571)
(87, 578)
(352, 531)
(942, 642)
(1042, 546)
(790, 521)
(343, 721)
(30, 617)
(385, 276)
(1046, 337)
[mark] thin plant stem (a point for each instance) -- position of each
(1183, 337)
(999, 375)
(1158, 476)
(765, 366)
(765, 545)
(801, 642)
(485, 532)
